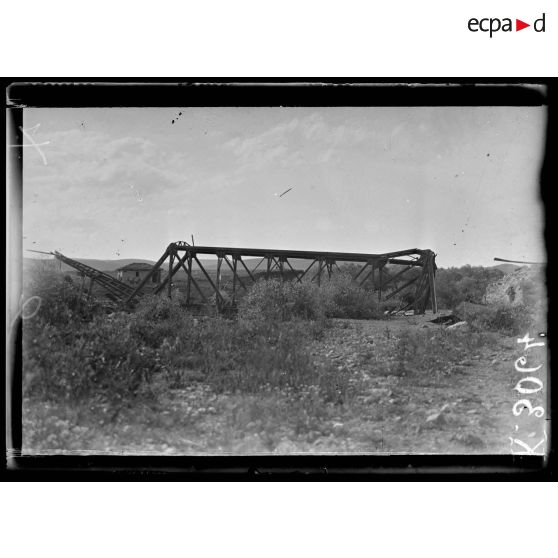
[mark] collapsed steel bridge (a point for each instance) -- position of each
(115, 289)
(376, 269)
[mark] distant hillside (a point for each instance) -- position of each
(101, 265)
(209, 264)
(113, 265)
(110, 266)
(107, 265)
(506, 267)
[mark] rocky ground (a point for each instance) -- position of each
(467, 410)
(460, 406)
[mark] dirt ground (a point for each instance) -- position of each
(468, 410)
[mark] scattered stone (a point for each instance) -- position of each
(445, 320)
(458, 325)
(436, 417)
(469, 440)
(379, 391)
(376, 436)
(337, 427)
(286, 447)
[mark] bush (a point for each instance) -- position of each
(463, 284)
(113, 359)
(274, 300)
(503, 318)
(58, 298)
(101, 361)
(253, 357)
(73, 352)
(436, 351)
(247, 358)
(157, 318)
(343, 298)
(107, 361)
(338, 297)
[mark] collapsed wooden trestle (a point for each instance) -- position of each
(386, 282)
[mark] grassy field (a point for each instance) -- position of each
(299, 369)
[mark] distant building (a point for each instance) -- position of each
(135, 273)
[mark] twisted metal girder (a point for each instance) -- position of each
(370, 266)
(375, 266)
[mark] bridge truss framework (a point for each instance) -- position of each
(321, 265)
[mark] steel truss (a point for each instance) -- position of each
(375, 268)
(116, 290)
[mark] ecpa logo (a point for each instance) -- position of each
(494, 24)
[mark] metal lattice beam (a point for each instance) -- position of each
(278, 264)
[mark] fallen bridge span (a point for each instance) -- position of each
(407, 272)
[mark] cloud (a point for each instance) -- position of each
(328, 135)
(283, 143)
(264, 148)
(83, 161)
(348, 165)
(127, 146)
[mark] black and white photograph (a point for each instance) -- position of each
(282, 280)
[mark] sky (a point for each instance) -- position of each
(114, 183)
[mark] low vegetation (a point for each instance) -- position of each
(455, 285)
(507, 319)
(90, 370)
(338, 298)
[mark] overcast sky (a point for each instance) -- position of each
(123, 183)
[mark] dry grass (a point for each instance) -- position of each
(92, 378)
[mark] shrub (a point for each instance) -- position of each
(278, 300)
(343, 298)
(73, 351)
(252, 357)
(157, 318)
(59, 298)
(436, 351)
(101, 361)
(463, 284)
(503, 318)
(338, 297)
(248, 356)
(107, 361)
